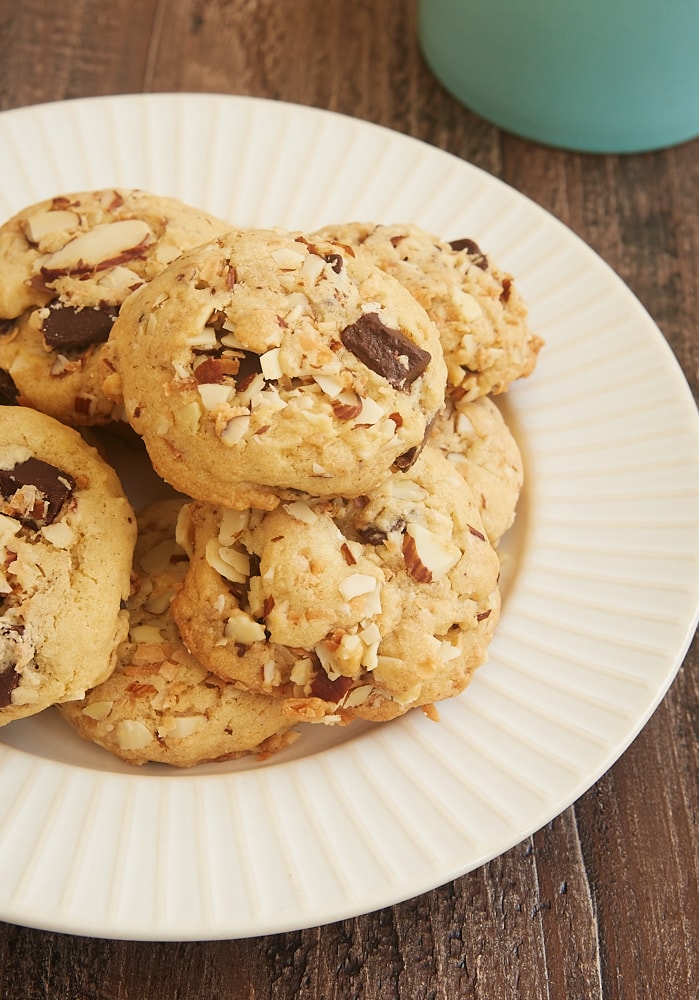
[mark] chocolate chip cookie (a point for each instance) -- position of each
(160, 704)
(67, 536)
(66, 266)
(481, 317)
(360, 607)
(265, 361)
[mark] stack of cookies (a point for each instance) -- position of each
(322, 405)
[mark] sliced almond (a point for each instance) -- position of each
(427, 556)
(347, 406)
(235, 429)
(98, 710)
(232, 524)
(331, 385)
(254, 387)
(271, 365)
(231, 563)
(120, 279)
(105, 244)
(42, 224)
(370, 634)
(462, 424)
(145, 634)
(313, 267)
(466, 305)
(298, 306)
(407, 489)
(302, 671)
(214, 394)
(167, 252)
(133, 735)
(357, 584)
(158, 605)
(448, 651)
(319, 470)
(59, 534)
(370, 412)
(287, 259)
(189, 417)
(205, 339)
(357, 696)
(181, 727)
(300, 511)
(9, 526)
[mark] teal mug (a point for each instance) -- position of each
(600, 76)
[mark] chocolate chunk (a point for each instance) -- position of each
(250, 366)
(371, 535)
(52, 485)
(387, 352)
(409, 457)
(9, 678)
(9, 392)
(335, 260)
(473, 250)
(66, 327)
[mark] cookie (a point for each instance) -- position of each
(160, 704)
(475, 438)
(264, 361)
(66, 266)
(67, 536)
(345, 608)
(481, 317)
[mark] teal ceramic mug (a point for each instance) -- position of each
(604, 76)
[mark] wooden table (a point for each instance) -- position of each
(603, 902)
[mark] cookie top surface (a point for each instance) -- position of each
(160, 705)
(264, 361)
(66, 266)
(67, 535)
(475, 438)
(481, 317)
(362, 607)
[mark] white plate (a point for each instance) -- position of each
(599, 609)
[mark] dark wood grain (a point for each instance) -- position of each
(603, 902)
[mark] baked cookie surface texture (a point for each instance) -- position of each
(481, 317)
(160, 704)
(67, 535)
(66, 266)
(347, 608)
(475, 438)
(266, 361)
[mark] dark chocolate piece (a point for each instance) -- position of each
(371, 535)
(53, 485)
(335, 260)
(410, 457)
(250, 366)
(9, 678)
(9, 392)
(387, 352)
(473, 250)
(67, 328)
